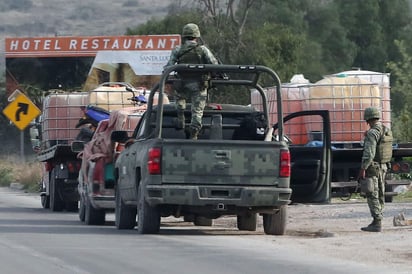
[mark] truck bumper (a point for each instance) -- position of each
(103, 201)
(217, 195)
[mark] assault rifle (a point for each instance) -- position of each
(217, 75)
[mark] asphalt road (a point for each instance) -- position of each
(35, 240)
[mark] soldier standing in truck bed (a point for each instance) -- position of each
(192, 86)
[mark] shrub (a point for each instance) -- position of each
(6, 176)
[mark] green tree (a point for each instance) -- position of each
(336, 50)
(373, 25)
(400, 93)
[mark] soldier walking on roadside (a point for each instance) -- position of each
(192, 86)
(377, 152)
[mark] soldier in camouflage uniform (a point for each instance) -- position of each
(192, 86)
(373, 168)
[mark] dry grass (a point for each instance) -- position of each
(28, 174)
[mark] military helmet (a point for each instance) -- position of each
(371, 113)
(191, 30)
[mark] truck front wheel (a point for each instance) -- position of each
(93, 216)
(82, 208)
(202, 221)
(247, 222)
(45, 201)
(125, 216)
(275, 224)
(148, 217)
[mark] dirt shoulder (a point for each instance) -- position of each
(334, 230)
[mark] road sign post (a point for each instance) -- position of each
(21, 111)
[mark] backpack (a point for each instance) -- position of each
(384, 146)
(191, 54)
(252, 127)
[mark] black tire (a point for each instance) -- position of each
(82, 209)
(93, 216)
(247, 222)
(148, 217)
(275, 224)
(202, 221)
(125, 216)
(45, 201)
(72, 206)
(189, 218)
(388, 198)
(56, 202)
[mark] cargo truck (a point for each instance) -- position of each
(345, 95)
(60, 113)
(58, 128)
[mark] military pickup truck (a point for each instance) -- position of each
(237, 166)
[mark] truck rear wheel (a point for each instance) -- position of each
(275, 224)
(56, 203)
(148, 217)
(125, 216)
(93, 216)
(247, 221)
(202, 221)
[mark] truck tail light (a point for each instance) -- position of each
(71, 167)
(284, 166)
(48, 166)
(155, 157)
(400, 167)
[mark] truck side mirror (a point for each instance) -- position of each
(77, 146)
(119, 136)
(34, 138)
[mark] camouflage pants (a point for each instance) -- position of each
(197, 94)
(376, 199)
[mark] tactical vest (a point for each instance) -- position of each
(384, 146)
(191, 54)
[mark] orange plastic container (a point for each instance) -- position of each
(291, 102)
(61, 113)
(345, 95)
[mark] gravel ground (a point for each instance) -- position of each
(334, 230)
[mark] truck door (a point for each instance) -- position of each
(309, 138)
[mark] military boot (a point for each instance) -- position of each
(194, 132)
(375, 226)
(180, 121)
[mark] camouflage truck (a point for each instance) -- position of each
(238, 166)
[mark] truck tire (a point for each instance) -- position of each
(82, 209)
(93, 216)
(45, 201)
(202, 221)
(247, 221)
(56, 203)
(388, 198)
(125, 216)
(72, 206)
(148, 217)
(275, 224)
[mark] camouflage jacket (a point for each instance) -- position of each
(372, 138)
(208, 55)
